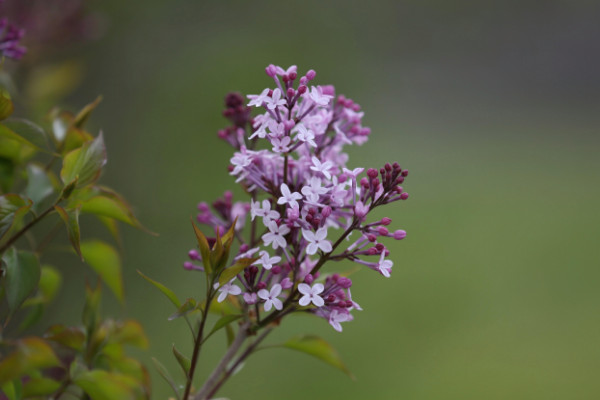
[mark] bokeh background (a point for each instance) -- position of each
(494, 108)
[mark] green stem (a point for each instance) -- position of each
(198, 345)
(213, 383)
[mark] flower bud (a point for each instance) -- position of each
(399, 234)
(194, 255)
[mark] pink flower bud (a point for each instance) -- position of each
(310, 75)
(309, 279)
(194, 255)
(386, 221)
(289, 124)
(271, 71)
(404, 196)
(383, 231)
(345, 282)
(399, 234)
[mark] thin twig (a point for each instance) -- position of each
(216, 374)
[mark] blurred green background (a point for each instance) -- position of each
(494, 108)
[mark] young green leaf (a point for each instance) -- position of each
(162, 371)
(319, 348)
(222, 323)
(110, 204)
(37, 387)
(131, 333)
(7, 172)
(205, 250)
(235, 269)
(165, 290)
(183, 361)
(39, 186)
(13, 209)
(50, 281)
(91, 310)
(103, 385)
(12, 390)
(71, 220)
(32, 353)
(104, 259)
(71, 337)
(25, 132)
(6, 105)
(83, 115)
(84, 163)
(187, 307)
(22, 276)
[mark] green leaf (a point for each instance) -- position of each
(83, 115)
(319, 348)
(25, 132)
(113, 227)
(222, 323)
(34, 315)
(165, 290)
(84, 163)
(235, 269)
(50, 281)
(22, 276)
(103, 385)
(183, 361)
(40, 387)
(71, 220)
(104, 259)
(39, 186)
(12, 390)
(205, 251)
(13, 209)
(187, 307)
(6, 105)
(71, 337)
(91, 310)
(230, 307)
(229, 235)
(31, 354)
(7, 173)
(130, 332)
(110, 204)
(162, 371)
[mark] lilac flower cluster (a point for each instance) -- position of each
(10, 36)
(290, 160)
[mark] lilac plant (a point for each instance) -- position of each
(307, 206)
(10, 37)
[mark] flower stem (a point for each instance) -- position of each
(209, 386)
(197, 345)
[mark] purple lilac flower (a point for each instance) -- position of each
(10, 36)
(306, 202)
